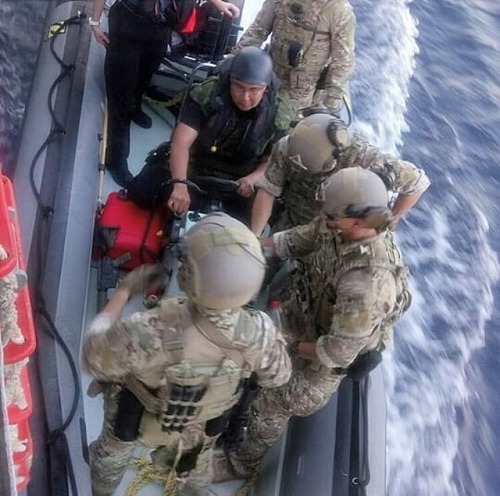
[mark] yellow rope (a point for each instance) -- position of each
(244, 489)
(149, 472)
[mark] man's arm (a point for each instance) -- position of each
(399, 176)
(261, 210)
(247, 183)
(363, 300)
(260, 28)
(342, 28)
(274, 367)
(411, 184)
(100, 36)
(402, 204)
(270, 186)
(110, 347)
(296, 242)
(182, 141)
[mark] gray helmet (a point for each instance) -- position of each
(356, 193)
(317, 141)
(252, 65)
(224, 267)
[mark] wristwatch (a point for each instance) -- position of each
(94, 23)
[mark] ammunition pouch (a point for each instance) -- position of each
(181, 406)
(128, 417)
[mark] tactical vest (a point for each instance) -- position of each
(299, 195)
(324, 269)
(296, 24)
(201, 391)
(218, 148)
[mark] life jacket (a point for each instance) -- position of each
(214, 145)
(202, 389)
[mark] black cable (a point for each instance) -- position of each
(47, 210)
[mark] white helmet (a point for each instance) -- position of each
(225, 266)
(317, 141)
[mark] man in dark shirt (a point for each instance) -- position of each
(135, 46)
(227, 129)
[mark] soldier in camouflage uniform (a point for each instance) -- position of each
(339, 306)
(182, 363)
(311, 40)
(318, 147)
(227, 128)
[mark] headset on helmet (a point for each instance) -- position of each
(224, 265)
(338, 135)
(318, 141)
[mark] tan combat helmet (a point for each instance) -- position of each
(317, 141)
(356, 193)
(224, 267)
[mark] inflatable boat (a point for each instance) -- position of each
(58, 187)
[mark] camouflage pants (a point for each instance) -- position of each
(307, 392)
(110, 457)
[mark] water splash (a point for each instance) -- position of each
(386, 46)
(426, 375)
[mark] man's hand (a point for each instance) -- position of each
(100, 36)
(226, 8)
(179, 200)
(143, 279)
(247, 186)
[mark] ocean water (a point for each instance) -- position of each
(21, 24)
(426, 86)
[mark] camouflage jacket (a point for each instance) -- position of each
(324, 29)
(231, 145)
(185, 364)
(298, 187)
(143, 345)
(344, 295)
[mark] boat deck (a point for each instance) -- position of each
(143, 141)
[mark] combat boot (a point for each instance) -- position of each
(142, 119)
